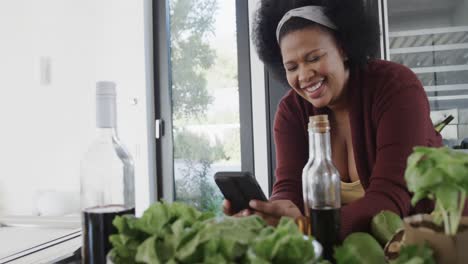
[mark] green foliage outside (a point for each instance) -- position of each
(197, 68)
(195, 187)
(191, 55)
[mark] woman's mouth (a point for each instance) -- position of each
(315, 91)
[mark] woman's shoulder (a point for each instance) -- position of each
(291, 101)
(388, 71)
(293, 107)
(385, 84)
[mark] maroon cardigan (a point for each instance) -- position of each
(389, 115)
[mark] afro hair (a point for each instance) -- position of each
(357, 33)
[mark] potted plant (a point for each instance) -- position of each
(440, 174)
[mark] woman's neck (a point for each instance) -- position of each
(339, 118)
(341, 104)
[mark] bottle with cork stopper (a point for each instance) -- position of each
(322, 186)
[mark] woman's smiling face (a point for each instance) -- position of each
(315, 66)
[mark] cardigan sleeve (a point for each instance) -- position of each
(291, 153)
(401, 118)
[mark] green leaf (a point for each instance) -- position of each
(283, 244)
(415, 254)
(419, 196)
(125, 247)
(447, 196)
(187, 249)
(439, 173)
(154, 219)
(293, 249)
(183, 211)
(384, 225)
(359, 248)
(147, 252)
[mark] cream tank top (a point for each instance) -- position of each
(351, 191)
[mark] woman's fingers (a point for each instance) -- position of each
(245, 212)
(227, 207)
(265, 207)
(227, 210)
(269, 219)
(274, 210)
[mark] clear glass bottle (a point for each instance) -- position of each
(307, 167)
(323, 189)
(106, 179)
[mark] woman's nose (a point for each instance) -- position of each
(305, 74)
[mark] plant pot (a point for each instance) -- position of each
(420, 229)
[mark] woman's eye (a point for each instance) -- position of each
(314, 59)
(291, 69)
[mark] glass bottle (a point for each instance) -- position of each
(323, 189)
(439, 126)
(106, 179)
(307, 167)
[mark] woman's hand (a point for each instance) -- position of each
(228, 211)
(272, 211)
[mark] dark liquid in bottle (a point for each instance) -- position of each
(97, 227)
(325, 225)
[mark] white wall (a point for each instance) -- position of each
(46, 128)
(258, 110)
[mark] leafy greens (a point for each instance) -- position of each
(178, 233)
(415, 254)
(440, 174)
(359, 248)
(384, 225)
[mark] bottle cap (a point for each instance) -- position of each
(318, 118)
(105, 104)
(319, 123)
(105, 88)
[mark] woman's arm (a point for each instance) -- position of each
(291, 151)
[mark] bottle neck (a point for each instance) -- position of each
(106, 117)
(107, 132)
(322, 146)
(311, 143)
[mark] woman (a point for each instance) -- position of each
(378, 110)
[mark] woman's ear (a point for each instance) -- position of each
(343, 54)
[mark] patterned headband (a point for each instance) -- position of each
(313, 13)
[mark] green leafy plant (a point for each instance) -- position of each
(440, 174)
(359, 248)
(283, 244)
(179, 233)
(384, 225)
(415, 254)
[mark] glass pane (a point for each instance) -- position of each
(431, 37)
(205, 98)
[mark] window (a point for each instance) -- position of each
(205, 109)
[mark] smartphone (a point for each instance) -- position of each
(239, 188)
